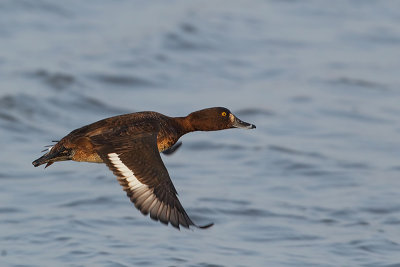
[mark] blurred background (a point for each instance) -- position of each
(316, 184)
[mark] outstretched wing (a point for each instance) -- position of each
(133, 156)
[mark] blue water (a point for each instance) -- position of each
(316, 184)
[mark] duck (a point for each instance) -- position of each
(130, 145)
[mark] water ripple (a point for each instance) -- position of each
(355, 115)
(226, 201)
(87, 104)
(57, 80)
(17, 112)
(122, 80)
(292, 151)
(181, 42)
(88, 202)
(352, 82)
(205, 145)
(9, 210)
(254, 112)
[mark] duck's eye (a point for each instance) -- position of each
(223, 114)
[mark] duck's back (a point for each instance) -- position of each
(168, 129)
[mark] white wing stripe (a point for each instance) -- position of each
(125, 171)
(143, 195)
(130, 179)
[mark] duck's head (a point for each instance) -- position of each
(217, 118)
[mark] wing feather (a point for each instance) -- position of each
(132, 155)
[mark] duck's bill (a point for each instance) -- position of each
(237, 123)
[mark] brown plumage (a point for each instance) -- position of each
(130, 146)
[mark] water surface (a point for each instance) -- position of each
(316, 184)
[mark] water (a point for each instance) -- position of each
(316, 184)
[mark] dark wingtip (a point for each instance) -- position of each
(172, 149)
(206, 226)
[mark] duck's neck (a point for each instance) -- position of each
(192, 123)
(184, 125)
